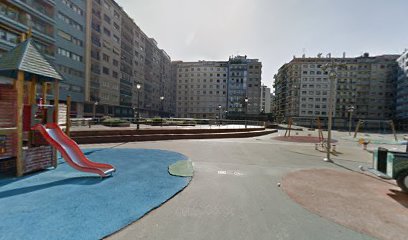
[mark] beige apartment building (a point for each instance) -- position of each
(365, 84)
(218, 89)
(201, 89)
(120, 56)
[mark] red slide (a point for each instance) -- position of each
(71, 152)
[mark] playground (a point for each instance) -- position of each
(49, 187)
(68, 204)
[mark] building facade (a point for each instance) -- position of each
(17, 17)
(201, 89)
(244, 81)
(122, 57)
(402, 88)
(365, 83)
(265, 99)
(70, 24)
(58, 28)
(217, 89)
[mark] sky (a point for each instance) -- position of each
(272, 31)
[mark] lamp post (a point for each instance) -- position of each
(94, 109)
(331, 68)
(93, 114)
(350, 110)
(138, 86)
(134, 113)
(246, 110)
(219, 114)
(161, 112)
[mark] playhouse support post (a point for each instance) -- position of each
(19, 83)
(31, 101)
(56, 99)
(33, 90)
(44, 92)
(68, 117)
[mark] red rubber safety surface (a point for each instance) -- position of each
(301, 139)
(363, 203)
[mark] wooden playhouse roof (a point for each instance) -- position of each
(26, 57)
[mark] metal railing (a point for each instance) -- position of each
(177, 123)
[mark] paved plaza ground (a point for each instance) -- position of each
(234, 193)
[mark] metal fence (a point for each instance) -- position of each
(176, 122)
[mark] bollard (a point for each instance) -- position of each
(333, 147)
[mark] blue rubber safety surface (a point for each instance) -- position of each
(67, 204)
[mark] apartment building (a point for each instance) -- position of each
(58, 29)
(70, 24)
(213, 89)
(104, 41)
(265, 99)
(402, 88)
(123, 57)
(17, 17)
(273, 102)
(366, 83)
(158, 80)
(201, 89)
(244, 81)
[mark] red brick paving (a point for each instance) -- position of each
(360, 202)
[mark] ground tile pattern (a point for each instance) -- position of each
(355, 200)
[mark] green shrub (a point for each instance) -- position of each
(157, 119)
(115, 122)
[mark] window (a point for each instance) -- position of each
(116, 26)
(68, 54)
(106, 18)
(105, 70)
(105, 57)
(106, 5)
(116, 38)
(70, 38)
(116, 15)
(73, 7)
(7, 36)
(70, 21)
(106, 31)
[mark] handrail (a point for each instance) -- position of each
(7, 130)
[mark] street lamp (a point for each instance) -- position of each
(219, 114)
(350, 110)
(161, 113)
(93, 113)
(138, 86)
(94, 109)
(246, 110)
(331, 68)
